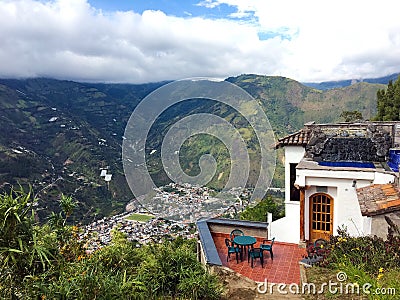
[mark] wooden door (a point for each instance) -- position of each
(321, 216)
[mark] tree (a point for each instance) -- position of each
(351, 116)
(388, 102)
(262, 208)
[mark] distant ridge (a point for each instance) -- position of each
(327, 85)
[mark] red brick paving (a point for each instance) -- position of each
(283, 269)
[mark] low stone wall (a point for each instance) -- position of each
(256, 229)
(259, 232)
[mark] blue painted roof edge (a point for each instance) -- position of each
(210, 251)
(350, 164)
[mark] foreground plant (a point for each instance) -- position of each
(368, 252)
(25, 249)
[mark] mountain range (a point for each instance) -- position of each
(58, 135)
(326, 85)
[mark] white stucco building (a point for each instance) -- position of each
(333, 174)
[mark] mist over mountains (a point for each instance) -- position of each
(326, 85)
(57, 135)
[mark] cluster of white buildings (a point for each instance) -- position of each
(176, 208)
(188, 203)
(98, 233)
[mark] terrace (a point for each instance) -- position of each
(284, 268)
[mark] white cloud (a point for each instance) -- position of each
(331, 39)
(314, 40)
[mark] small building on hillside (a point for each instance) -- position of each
(339, 175)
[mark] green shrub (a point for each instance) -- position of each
(25, 249)
(260, 210)
(171, 269)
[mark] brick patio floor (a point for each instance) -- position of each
(283, 269)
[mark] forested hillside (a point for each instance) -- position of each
(289, 104)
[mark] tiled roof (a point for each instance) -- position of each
(299, 138)
(378, 199)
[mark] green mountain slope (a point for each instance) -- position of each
(57, 135)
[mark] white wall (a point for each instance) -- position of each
(293, 155)
(339, 186)
(287, 229)
(382, 178)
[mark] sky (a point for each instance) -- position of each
(138, 41)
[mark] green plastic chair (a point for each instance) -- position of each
(236, 232)
(255, 253)
(268, 247)
(232, 249)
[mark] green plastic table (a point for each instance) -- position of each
(244, 241)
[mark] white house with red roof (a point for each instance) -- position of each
(333, 175)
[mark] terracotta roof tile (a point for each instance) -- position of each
(378, 199)
(299, 138)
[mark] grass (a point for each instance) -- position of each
(140, 217)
